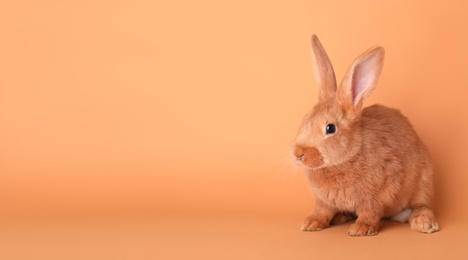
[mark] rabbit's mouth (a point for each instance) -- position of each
(307, 157)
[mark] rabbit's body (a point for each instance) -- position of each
(384, 170)
(368, 162)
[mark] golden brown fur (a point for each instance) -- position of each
(374, 165)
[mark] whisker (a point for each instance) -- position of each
(285, 164)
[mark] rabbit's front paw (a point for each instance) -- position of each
(362, 229)
(313, 224)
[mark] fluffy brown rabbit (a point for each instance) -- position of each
(364, 162)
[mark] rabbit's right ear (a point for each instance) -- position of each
(323, 70)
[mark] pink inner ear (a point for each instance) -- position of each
(363, 78)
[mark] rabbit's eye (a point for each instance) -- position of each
(330, 129)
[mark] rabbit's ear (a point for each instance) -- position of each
(323, 70)
(361, 78)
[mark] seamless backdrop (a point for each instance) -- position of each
(185, 111)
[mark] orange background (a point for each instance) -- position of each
(161, 130)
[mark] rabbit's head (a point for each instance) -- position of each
(331, 133)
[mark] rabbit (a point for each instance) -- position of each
(362, 163)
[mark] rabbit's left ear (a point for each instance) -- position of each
(361, 78)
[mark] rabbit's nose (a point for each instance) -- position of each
(298, 152)
(299, 157)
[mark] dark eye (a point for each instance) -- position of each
(330, 129)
